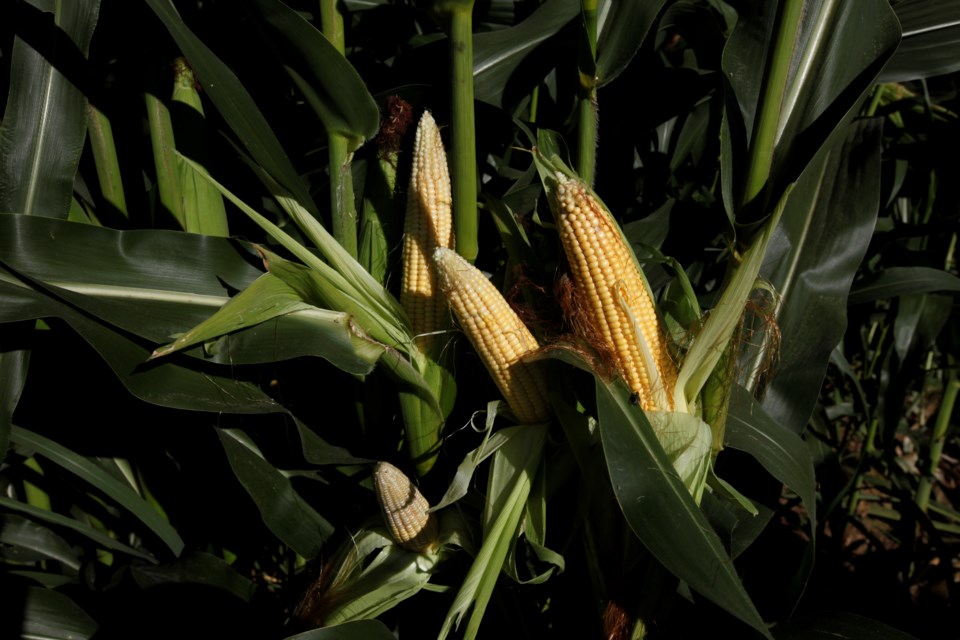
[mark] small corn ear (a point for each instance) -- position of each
(428, 225)
(498, 335)
(405, 510)
(619, 304)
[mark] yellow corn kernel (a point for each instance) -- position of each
(428, 225)
(405, 511)
(620, 307)
(497, 334)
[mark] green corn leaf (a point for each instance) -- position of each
(88, 471)
(44, 124)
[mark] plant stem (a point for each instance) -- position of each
(463, 165)
(343, 210)
(937, 440)
(773, 88)
(587, 100)
(105, 159)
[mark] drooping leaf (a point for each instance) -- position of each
(898, 281)
(931, 40)
(94, 535)
(624, 28)
(196, 568)
(51, 615)
(778, 449)
(284, 512)
(834, 625)
(334, 90)
(90, 472)
(661, 511)
(44, 124)
(497, 54)
(21, 534)
(234, 103)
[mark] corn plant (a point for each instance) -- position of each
(453, 319)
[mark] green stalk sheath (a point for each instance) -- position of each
(105, 159)
(203, 206)
(463, 165)
(379, 208)
(937, 440)
(587, 101)
(764, 139)
(165, 158)
(343, 210)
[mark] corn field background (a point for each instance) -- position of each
(209, 373)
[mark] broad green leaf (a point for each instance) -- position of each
(359, 630)
(497, 54)
(822, 56)
(624, 29)
(196, 568)
(931, 40)
(334, 90)
(50, 615)
(90, 472)
(23, 534)
(44, 124)
(897, 281)
(234, 103)
(811, 261)
(284, 512)
(94, 535)
(661, 511)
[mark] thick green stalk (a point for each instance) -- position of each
(463, 164)
(765, 126)
(587, 101)
(937, 440)
(343, 210)
(105, 159)
(165, 158)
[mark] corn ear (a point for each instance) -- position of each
(498, 335)
(405, 511)
(620, 309)
(428, 225)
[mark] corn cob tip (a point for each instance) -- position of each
(428, 224)
(405, 511)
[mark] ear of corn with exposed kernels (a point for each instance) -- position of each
(405, 511)
(428, 225)
(618, 300)
(498, 335)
